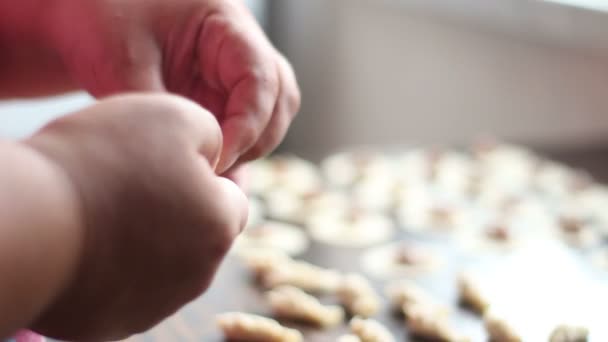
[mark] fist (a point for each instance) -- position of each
(210, 51)
(158, 220)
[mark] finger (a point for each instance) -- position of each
(202, 127)
(171, 116)
(286, 108)
(244, 66)
(239, 209)
(239, 174)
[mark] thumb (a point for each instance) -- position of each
(236, 200)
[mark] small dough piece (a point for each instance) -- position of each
(374, 194)
(428, 212)
(348, 338)
(370, 330)
(344, 169)
(283, 205)
(352, 228)
(358, 296)
(291, 173)
(274, 269)
(404, 294)
(306, 276)
(471, 294)
(578, 233)
(292, 303)
(499, 330)
(257, 211)
(263, 261)
(403, 258)
(427, 322)
(272, 235)
(569, 333)
(252, 328)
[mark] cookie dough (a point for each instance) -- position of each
(273, 269)
(369, 330)
(284, 172)
(275, 235)
(426, 322)
(404, 294)
(346, 168)
(499, 329)
(358, 296)
(292, 303)
(252, 328)
(471, 294)
(403, 258)
(569, 333)
(353, 228)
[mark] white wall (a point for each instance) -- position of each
(376, 73)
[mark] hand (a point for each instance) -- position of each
(158, 219)
(211, 51)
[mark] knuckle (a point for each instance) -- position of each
(263, 77)
(248, 135)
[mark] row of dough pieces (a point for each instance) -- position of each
(391, 259)
(297, 194)
(331, 215)
(290, 282)
(505, 167)
(378, 178)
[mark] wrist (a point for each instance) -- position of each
(62, 237)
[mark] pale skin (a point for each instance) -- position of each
(114, 217)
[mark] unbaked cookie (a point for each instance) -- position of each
(285, 172)
(404, 294)
(403, 258)
(353, 228)
(346, 168)
(471, 294)
(369, 330)
(499, 329)
(252, 328)
(272, 235)
(427, 322)
(292, 303)
(274, 269)
(358, 296)
(569, 333)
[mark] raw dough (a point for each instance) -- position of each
(348, 338)
(284, 172)
(569, 333)
(358, 296)
(275, 269)
(404, 294)
(428, 322)
(252, 328)
(354, 228)
(470, 293)
(404, 258)
(499, 330)
(369, 330)
(292, 303)
(346, 168)
(276, 235)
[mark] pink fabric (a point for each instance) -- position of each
(28, 336)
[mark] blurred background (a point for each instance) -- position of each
(396, 72)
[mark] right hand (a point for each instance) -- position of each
(158, 221)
